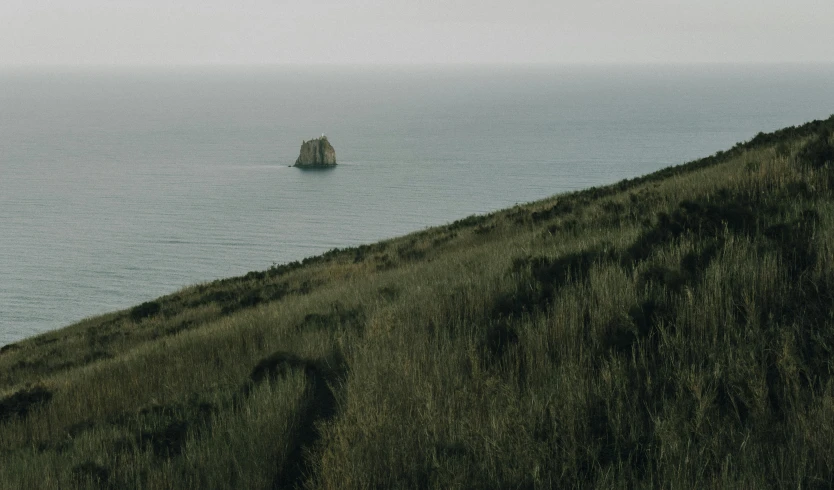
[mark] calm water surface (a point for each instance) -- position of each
(119, 185)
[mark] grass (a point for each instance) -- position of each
(674, 331)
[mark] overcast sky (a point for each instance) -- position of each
(171, 32)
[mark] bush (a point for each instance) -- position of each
(145, 310)
(818, 151)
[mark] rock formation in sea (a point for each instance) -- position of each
(316, 153)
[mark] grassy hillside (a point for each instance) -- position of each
(672, 331)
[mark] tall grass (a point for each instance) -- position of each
(674, 330)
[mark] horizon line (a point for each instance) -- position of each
(412, 64)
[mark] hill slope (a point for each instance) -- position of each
(674, 330)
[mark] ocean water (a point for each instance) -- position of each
(120, 185)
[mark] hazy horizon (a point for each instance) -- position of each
(415, 65)
(210, 32)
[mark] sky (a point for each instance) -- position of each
(197, 32)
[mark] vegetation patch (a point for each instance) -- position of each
(320, 406)
(338, 317)
(704, 218)
(9, 348)
(92, 472)
(499, 338)
(389, 293)
(539, 278)
(411, 251)
(819, 151)
(21, 403)
(145, 310)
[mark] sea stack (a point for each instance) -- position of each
(316, 153)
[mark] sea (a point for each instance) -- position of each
(121, 184)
